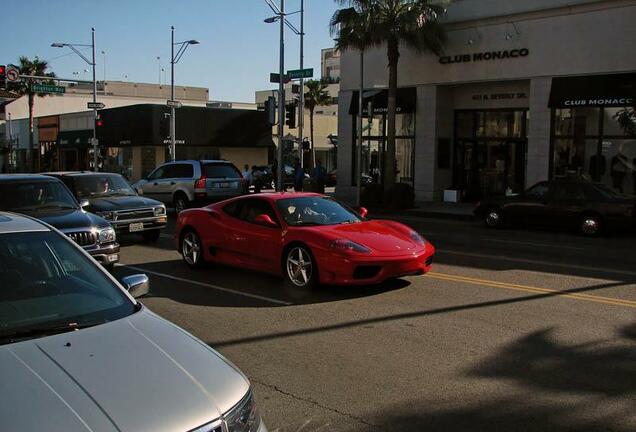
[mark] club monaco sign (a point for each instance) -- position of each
(485, 56)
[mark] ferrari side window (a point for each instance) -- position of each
(233, 209)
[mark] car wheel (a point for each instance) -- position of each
(300, 269)
(151, 236)
(590, 225)
(180, 203)
(494, 218)
(192, 249)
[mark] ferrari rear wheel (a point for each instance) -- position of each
(191, 249)
(300, 268)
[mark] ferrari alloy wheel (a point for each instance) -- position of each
(300, 268)
(590, 225)
(494, 218)
(191, 249)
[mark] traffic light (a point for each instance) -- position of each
(3, 75)
(98, 121)
(290, 115)
(164, 127)
(270, 109)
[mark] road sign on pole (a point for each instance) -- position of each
(46, 88)
(12, 74)
(300, 73)
(95, 105)
(174, 104)
(275, 78)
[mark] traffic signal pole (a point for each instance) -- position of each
(281, 97)
(95, 147)
(301, 111)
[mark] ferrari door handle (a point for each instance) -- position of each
(155, 183)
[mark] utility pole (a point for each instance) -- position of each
(301, 111)
(173, 139)
(95, 147)
(281, 97)
(359, 152)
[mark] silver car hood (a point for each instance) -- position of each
(140, 373)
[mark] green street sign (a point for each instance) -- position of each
(46, 88)
(300, 73)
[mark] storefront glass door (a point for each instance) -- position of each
(490, 152)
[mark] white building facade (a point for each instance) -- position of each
(525, 91)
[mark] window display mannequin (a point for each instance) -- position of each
(597, 167)
(619, 167)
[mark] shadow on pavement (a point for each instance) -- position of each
(509, 414)
(539, 360)
(402, 316)
(233, 287)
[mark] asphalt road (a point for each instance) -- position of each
(514, 330)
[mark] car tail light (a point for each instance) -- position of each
(200, 184)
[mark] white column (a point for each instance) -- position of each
(538, 164)
(425, 139)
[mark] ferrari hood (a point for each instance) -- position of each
(380, 236)
(138, 373)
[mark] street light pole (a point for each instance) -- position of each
(301, 111)
(281, 96)
(173, 139)
(359, 152)
(95, 155)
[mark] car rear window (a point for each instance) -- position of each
(215, 170)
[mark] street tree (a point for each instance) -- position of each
(24, 87)
(392, 24)
(315, 95)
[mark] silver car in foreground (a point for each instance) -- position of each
(79, 353)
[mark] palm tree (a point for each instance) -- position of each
(316, 95)
(35, 67)
(390, 23)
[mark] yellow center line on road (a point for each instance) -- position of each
(531, 289)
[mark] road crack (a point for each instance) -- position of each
(319, 405)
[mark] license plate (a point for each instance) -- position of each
(112, 258)
(134, 227)
(226, 185)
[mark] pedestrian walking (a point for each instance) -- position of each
(299, 177)
(318, 176)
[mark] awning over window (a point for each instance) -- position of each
(594, 91)
(75, 139)
(406, 101)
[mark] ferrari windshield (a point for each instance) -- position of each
(315, 210)
(48, 286)
(102, 185)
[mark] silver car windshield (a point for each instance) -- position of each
(48, 286)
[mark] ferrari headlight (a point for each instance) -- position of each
(348, 246)
(108, 215)
(417, 238)
(244, 417)
(160, 211)
(107, 235)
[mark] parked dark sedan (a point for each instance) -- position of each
(46, 198)
(566, 202)
(111, 197)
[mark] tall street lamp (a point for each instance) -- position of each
(91, 63)
(174, 59)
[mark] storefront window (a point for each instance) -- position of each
(499, 124)
(590, 141)
(119, 160)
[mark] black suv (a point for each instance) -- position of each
(46, 198)
(111, 197)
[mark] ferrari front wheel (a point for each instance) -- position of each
(191, 249)
(300, 268)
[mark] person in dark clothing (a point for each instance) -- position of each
(299, 177)
(597, 167)
(318, 175)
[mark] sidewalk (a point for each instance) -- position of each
(441, 210)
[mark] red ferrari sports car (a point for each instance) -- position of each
(307, 238)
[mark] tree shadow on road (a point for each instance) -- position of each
(539, 360)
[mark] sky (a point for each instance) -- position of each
(234, 59)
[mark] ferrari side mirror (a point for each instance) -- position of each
(265, 220)
(363, 212)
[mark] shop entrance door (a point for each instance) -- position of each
(490, 153)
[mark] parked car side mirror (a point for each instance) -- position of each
(84, 204)
(137, 285)
(363, 212)
(265, 220)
